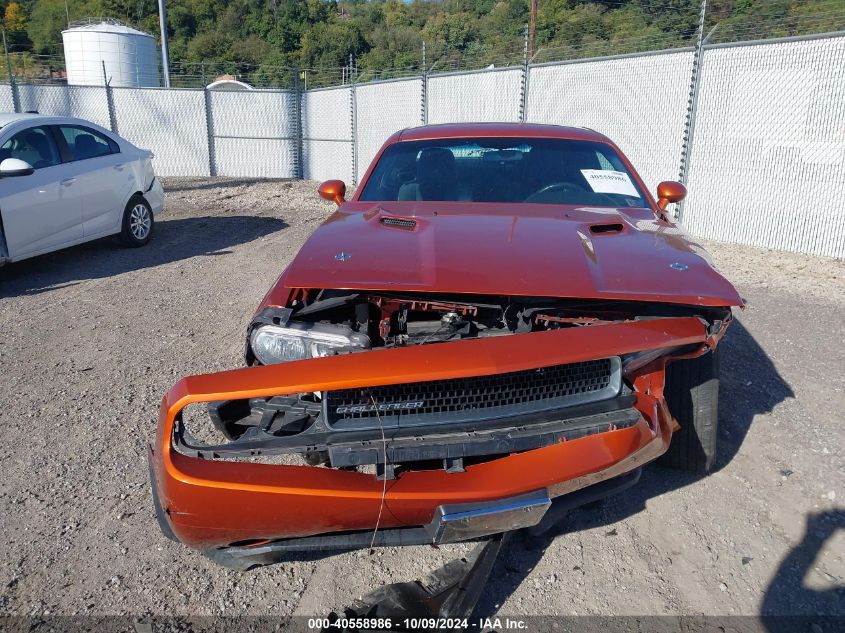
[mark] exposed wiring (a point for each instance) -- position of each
(384, 475)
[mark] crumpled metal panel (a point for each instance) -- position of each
(84, 102)
(327, 133)
(171, 123)
(639, 102)
(253, 133)
(492, 95)
(768, 156)
(383, 108)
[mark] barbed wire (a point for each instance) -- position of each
(27, 67)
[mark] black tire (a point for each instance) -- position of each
(692, 392)
(138, 222)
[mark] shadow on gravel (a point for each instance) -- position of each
(750, 385)
(172, 241)
(788, 594)
(178, 184)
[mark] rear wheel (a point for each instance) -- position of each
(137, 227)
(692, 392)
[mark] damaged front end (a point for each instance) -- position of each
(435, 418)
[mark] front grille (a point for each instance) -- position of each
(475, 398)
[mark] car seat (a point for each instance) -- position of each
(38, 152)
(86, 146)
(436, 178)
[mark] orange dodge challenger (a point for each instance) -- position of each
(500, 324)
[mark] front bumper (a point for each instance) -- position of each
(209, 503)
(155, 196)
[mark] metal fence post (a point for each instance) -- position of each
(16, 98)
(296, 115)
(424, 99)
(692, 105)
(109, 101)
(353, 115)
(523, 86)
(424, 90)
(209, 130)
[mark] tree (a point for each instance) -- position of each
(14, 18)
(45, 26)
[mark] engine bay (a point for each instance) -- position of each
(405, 319)
(428, 424)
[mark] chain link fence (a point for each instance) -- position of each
(757, 130)
(252, 133)
(767, 163)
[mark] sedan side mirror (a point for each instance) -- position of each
(15, 167)
(334, 190)
(670, 191)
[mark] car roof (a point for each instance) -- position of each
(528, 130)
(11, 117)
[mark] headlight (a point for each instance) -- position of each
(276, 344)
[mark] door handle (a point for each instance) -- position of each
(120, 167)
(68, 181)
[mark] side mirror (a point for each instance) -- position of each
(334, 190)
(15, 167)
(670, 191)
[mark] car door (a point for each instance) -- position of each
(42, 211)
(102, 174)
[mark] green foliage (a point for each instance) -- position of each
(388, 35)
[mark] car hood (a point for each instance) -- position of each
(509, 249)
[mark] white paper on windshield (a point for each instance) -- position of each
(606, 181)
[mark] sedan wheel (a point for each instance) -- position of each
(137, 222)
(140, 222)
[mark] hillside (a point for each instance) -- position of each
(267, 37)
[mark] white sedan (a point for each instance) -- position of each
(65, 181)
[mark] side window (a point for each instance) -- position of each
(34, 145)
(85, 143)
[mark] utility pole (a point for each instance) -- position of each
(532, 28)
(165, 54)
(6, 52)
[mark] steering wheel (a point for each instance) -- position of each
(555, 186)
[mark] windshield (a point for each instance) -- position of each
(527, 170)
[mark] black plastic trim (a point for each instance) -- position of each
(614, 411)
(479, 444)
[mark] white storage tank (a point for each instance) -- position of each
(130, 56)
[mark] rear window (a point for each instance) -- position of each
(524, 170)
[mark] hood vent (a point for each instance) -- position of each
(399, 223)
(598, 229)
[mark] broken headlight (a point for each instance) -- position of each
(297, 341)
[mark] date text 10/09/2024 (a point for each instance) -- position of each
(414, 624)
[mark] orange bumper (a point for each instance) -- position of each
(214, 503)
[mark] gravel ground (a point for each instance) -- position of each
(93, 336)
